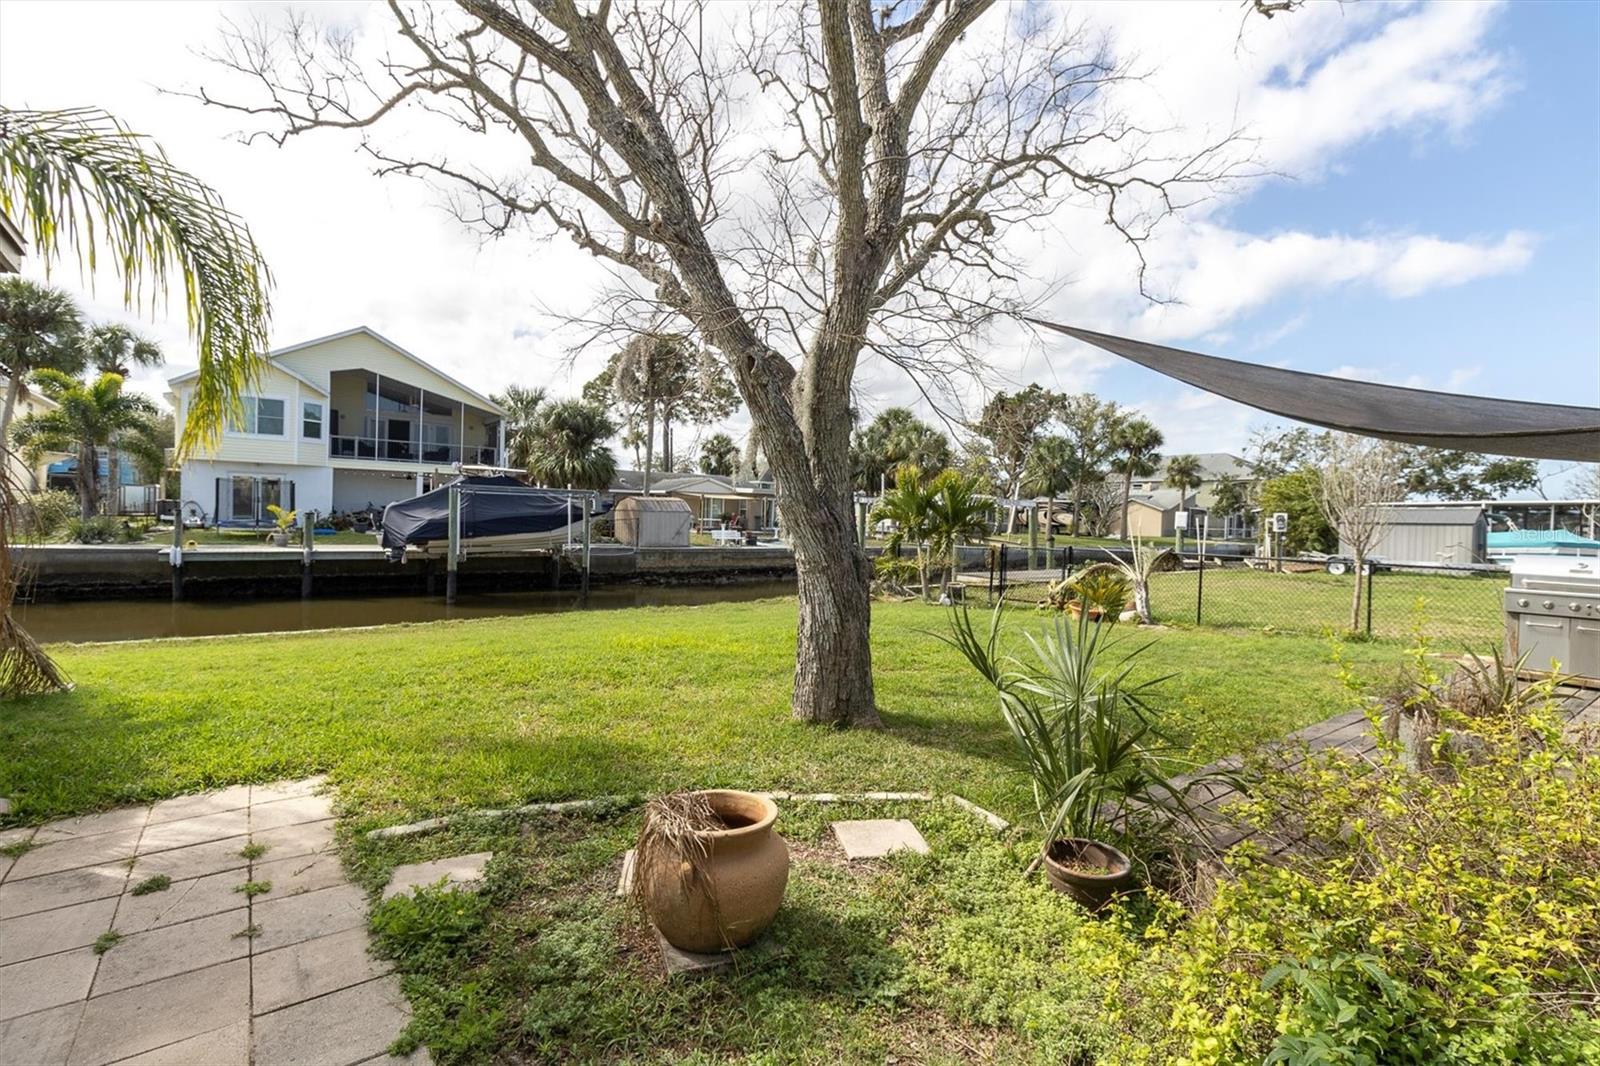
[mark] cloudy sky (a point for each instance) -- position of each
(1427, 213)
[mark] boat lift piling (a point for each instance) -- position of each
(453, 555)
(308, 547)
(176, 558)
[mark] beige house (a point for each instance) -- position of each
(28, 478)
(341, 423)
(710, 497)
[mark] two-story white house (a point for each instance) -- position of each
(338, 424)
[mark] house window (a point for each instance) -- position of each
(311, 420)
(261, 416)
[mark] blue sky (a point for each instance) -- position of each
(1530, 162)
(1440, 226)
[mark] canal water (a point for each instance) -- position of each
(146, 619)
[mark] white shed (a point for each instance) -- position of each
(654, 521)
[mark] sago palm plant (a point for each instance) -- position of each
(1087, 731)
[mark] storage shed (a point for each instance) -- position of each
(654, 521)
(1443, 534)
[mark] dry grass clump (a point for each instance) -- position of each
(670, 840)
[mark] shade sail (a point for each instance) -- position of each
(1391, 412)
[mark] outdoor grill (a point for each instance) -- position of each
(1553, 612)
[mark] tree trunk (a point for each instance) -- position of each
(1355, 597)
(113, 481)
(833, 657)
(1127, 494)
(87, 464)
(13, 390)
(649, 444)
(1014, 487)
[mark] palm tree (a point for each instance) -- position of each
(936, 514)
(88, 416)
(40, 329)
(1049, 471)
(1183, 474)
(956, 515)
(521, 404)
(719, 455)
(1138, 454)
(81, 177)
(112, 348)
(569, 446)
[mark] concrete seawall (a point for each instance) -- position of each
(59, 572)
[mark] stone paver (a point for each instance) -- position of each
(286, 976)
(350, 1025)
(43, 1037)
(184, 984)
(49, 932)
(228, 1046)
(873, 838)
(460, 871)
(45, 982)
(146, 1017)
(63, 889)
(184, 901)
(309, 915)
(71, 852)
(169, 951)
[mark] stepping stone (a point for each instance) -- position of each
(625, 881)
(678, 962)
(5, 805)
(873, 838)
(462, 871)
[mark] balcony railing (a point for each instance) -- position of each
(400, 451)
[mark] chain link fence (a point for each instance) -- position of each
(1456, 606)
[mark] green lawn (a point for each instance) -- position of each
(1456, 611)
(416, 720)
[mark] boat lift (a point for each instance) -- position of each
(584, 499)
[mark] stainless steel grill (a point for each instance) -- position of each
(1553, 613)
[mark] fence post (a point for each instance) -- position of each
(1003, 553)
(176, 558)
(1370, 570)
(1200, 590)
(1071, 561)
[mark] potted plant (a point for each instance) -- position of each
(279, 538)
(1100, 591)
(709, 870)
(1089, 736)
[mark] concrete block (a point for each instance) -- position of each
(47, 932)
(351, 1025)
(286, 976)
(458, 871)
(201, 829)
(170, 950)
(62, 889)
(71, 853)
(161, 1013)
(873, 838)
(184, 807)
(228, 1046)
(306, 916)
(43, 1038)
(45, 982)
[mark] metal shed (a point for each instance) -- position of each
(1444, 534)
(654, 521)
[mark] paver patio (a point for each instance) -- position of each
(201, 973)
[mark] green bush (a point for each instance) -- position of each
(46, 513)
(101, 529)
(1441, 916)
(1297, 495)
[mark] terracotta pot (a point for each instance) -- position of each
(1076, 607)
(1090, 872)
(747, 869)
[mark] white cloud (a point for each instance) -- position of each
(348, 248)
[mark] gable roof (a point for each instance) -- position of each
(478, 397)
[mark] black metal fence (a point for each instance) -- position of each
(1455, 606)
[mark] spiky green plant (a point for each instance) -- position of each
(569, 446)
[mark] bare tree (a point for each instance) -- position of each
(797, 185)
(1359, 476)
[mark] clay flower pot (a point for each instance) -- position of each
(737, 892)
(1090, 872)
(1076, 607)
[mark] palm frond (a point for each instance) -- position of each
(80, 177)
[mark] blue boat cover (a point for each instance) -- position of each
(497, 513)
(1540, 538)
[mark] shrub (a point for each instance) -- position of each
(101, 529)
(1450, 915)
(46, 513)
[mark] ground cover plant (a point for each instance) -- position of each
(412, 721)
